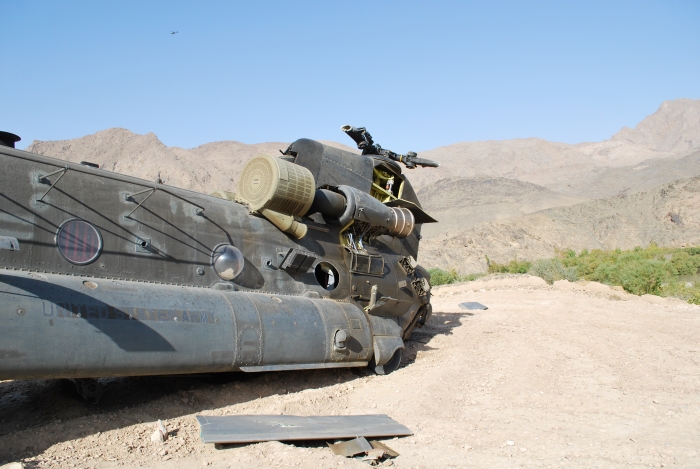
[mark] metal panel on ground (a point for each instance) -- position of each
(469, 305)
(254, 428)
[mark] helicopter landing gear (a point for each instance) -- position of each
(89, 389)
(392, 365)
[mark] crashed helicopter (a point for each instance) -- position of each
(310, 263)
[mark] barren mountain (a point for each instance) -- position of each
(668, 215)
(461, 203)
(206, 168)
(673, 131)
(675, 128)
(606, 182)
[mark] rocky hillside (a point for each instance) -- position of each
(668, 215)
(674, 128)
(606, 182)
(461, 203)
(206, 168)
(673, 131)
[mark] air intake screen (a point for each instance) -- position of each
(277, 185)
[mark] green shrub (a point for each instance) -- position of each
(441, 277)
(552, 270)
(446, 277)
(569, 253)
(640, 270)
(651, 270)
(513, 267)
(644, 277)
(686, 291)
(685, 263)
(638, 276)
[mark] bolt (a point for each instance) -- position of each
(200, 271)
(20, 311)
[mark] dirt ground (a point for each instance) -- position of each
(570, 375)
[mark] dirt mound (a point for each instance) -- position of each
(575, 375)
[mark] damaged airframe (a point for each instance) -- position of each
(311, 263)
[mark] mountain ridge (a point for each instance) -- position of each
(673, 131)
(521, 197)
(668, 215)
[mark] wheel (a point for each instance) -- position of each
(392, 365)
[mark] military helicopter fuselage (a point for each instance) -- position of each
(311, 263)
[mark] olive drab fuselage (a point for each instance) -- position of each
(113, 275)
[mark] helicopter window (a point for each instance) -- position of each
(79, 242)
(326, 275)
(228, 261)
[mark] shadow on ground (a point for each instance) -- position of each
(53, 410)
(439, 324)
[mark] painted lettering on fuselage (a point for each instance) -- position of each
(108, 312)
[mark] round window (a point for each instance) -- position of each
(228, 261)
(326, 275)
(79, 242)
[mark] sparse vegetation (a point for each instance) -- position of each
(652, 270)
(513, 267)
(446, 277)
(552, 270)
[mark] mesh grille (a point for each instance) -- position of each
(261, 186)
(256, 182)
(292, 195)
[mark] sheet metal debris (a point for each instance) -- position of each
(372, 451)
(374, 456)
(388, 451)
(351, 448)
(254, 428)
(472, 305)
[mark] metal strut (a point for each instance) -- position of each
(153, 190)
(63, 171)
(131, 197)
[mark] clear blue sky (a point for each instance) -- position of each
(417, 74)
